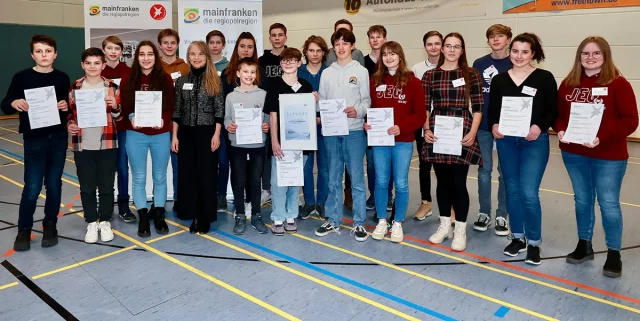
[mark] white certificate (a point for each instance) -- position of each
(584, 123)
(249, 121)
(91, 108)
(290, 168)
(148, 111)
(333, 118)
(448, 131)
(43, 107)
(380, 119)
(297, 122)
(515, 116)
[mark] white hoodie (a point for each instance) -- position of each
(351, 83)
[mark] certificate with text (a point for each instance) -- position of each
(43, 107)
(584, 123)
(91, 107)
(297, 122)
(148, 110)
(333, 118)
(380, 119)
(515, 116)
(448, 131)
(290, 169)
(249, 121)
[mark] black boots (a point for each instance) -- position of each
(23, 240)
(158, 220)
(49, 234)
(143, 223)
(582, 253)
(613, 266)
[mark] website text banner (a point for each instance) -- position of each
(197, 18)
(132, 21)
(411, 10)
(524, 6)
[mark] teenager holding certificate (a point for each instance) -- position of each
(597, 167)
(450, 88)
(95, 148)
(147, 75)
(394, 86)
(197, 120)
(530, 96)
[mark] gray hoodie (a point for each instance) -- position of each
(351, 83)
(249, 99)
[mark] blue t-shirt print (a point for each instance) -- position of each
(489, 68)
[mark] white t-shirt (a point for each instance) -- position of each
(420, 68)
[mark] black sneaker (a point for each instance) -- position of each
(613, 266)
(582, 253)
(482, 222)
(320, 211)
(326, 229)
(158, 221)
(222, 203)
(390, 204)
(23, 240)
(516, 247)
(533, 255)
(258, 224)
(124, 212)
(502, 226)
(371, 203)
(49, 234)
(144, 229)
(305, 211)
(360, 233)
(240, 225)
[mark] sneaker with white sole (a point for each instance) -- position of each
(459, 242)
(360, 233)
(482, 223)
(423, 211)
(396, 232)
(290, 225)
(106, 234)
(381, 230)
(326, 229)
(444, 231)
(92, 233)
(502, 226)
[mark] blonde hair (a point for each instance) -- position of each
(211, 80)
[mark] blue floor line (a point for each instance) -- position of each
(339, 277)
(22, 159)
(502, 311)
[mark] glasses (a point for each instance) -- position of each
(449, 47)
(595, 54)
(289, 61)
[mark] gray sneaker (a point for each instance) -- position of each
(258, 224)
(306, 210)
(290, 226)
(240, 224)
(277, 228)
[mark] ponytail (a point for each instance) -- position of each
(534, 41)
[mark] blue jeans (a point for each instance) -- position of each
(310, 196)
(371, 176)
(223, 162)
(284, 199)
(485, 140)
(138, 146)
(346, 150)
(123, 168)
(394, 159)
(44, 159)
(523, 163)
(593, 177)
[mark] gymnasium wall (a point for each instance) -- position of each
(561, 31)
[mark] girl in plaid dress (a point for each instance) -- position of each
(451, 88)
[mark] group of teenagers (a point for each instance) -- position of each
(198, 133)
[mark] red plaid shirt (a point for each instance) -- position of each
(109, 138)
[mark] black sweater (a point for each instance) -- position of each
(545, 102)
(29, 79)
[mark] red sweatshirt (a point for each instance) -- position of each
(168, 97)
(619, 120)
(409, 106)
(121, 71)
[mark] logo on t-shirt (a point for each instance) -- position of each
(392, 92)
(489, 73)
(583, 95)
(353, 80)
(274, 71)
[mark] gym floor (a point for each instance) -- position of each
(221, 276)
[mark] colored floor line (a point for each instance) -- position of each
(20, 160)
(484, 266)
(501, 312)
(308, 277)
(20, 144)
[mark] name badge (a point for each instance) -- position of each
(296, 87)
(237, 105)
(187, 87)
(117, 81)
(600, 91)
(458, 82)
(381, 88)
(175, 75)
(219, 73)
(529, 91)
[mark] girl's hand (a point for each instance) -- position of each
(429, 137)
(215, 142)
(561, 137)
(161, 124)
(595, 143)
(394, 131)
(496, 133)
(174, 145)
(468, 139)
(367, 127)
(534, 132)
(277, 151)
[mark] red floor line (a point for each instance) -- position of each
(10, 252)
(515, 267)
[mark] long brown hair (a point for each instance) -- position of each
(608, 72)
(319, 41)
(403, 74)
(462, 63)
(232, 68)
(158, 76)
(211, 80)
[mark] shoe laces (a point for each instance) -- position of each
(396, 227)
(482, 217)
(291, 221)
(501, 221)
(358, 228)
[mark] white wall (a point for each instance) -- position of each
(560, 31)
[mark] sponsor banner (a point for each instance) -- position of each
(524, 6)
(412, 10)
(197, 18)
(131, 21)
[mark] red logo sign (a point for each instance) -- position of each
(158, 12)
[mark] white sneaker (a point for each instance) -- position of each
(247, 210)
(92, 233)
(396, 232)
(106, 234)
(381, 230)
(265, 197)
(444, 231)
(459, 242)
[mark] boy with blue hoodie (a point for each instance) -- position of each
(217, 42)
(349, 80)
